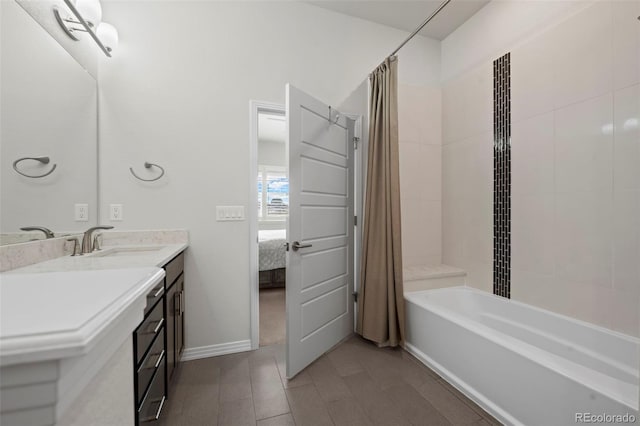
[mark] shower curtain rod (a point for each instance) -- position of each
(417, 30)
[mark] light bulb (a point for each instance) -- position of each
(108, 35)
(91, 11)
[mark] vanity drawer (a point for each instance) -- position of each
(155, 357)
(148, 330)
(153, 296)
(151, 407)
(173, 269)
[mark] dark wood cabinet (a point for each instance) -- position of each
(174, 283)
(179, 317)
(149, 359)
(171, 333)
(158, 343)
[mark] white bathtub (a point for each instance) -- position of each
(524, 365)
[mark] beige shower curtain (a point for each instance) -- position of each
(381, 301)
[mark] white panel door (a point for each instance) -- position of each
(320, 272)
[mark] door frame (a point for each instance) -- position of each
(256, 107)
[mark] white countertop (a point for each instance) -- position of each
(57, 308)
(96, 260)
(62, 320)
(61, 314)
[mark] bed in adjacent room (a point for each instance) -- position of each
(272, 258)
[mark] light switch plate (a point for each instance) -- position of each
(81, 213)
(116, 214)
(229, 213)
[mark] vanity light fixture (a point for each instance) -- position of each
(87, 16)
(109, 36)
(91, 11)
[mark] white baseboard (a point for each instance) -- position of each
(216, 350)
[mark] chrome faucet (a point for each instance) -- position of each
(86, 239)
(47, 232)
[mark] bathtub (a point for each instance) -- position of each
(523, 365)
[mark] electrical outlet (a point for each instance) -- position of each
(82, 212)
(116, 213)
(229, 213)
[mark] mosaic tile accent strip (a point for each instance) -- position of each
(502, 176)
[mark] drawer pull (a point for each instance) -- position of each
(157, 416)
(158, 291)
(156, 329)
(157, 363)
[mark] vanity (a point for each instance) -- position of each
(158, 342)
(94, 339)
(84, 340)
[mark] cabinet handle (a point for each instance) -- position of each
(156, 328)
(157, 363)
(157, 416)
(182, 302)
(177, 304)
(158, 291)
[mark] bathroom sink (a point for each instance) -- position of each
(128, 251)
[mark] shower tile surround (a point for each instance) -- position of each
(575, 189)
(420, 147)
(502, 176)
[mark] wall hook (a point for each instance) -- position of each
(330, 114)
(148, 165)
(43, 160)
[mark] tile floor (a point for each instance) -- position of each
(354, 384)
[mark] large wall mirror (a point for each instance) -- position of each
(48, 108)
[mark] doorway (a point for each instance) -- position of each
(271, 201)
(326, 162)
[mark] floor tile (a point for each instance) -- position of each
(469, 403)
(237, 413)
(307, 406)
(284, 420)
(201, 401)
(379, 408)
(456, 411)
(347, 412)
(414, 407)
(270, 405)
(235, 390)
(355, 384)
(345, 360)
(327, 381)
(301, 379)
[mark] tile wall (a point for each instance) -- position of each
(502, 176)
(419, 128)
(575, 169)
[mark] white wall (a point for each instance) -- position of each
(177, 93)
(575, 154)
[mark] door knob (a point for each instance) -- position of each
(296, 245)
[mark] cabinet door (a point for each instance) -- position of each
(180, 318)
(172, 304)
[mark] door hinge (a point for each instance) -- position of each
(355, 221)
(355, 296)
(286, 246)
(355, 142)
